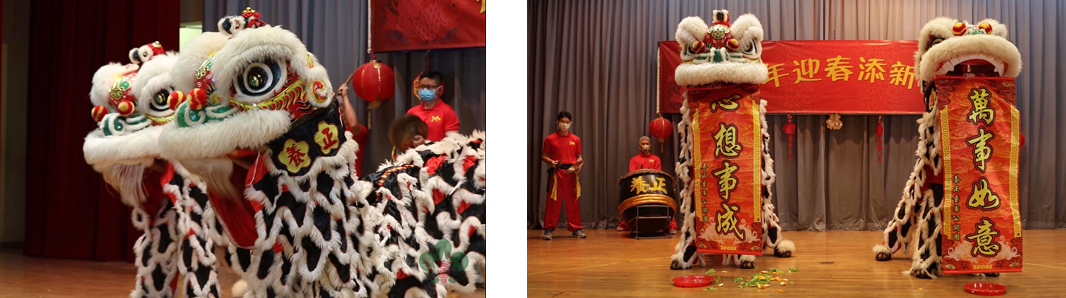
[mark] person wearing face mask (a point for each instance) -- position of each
(438, 116)
(645, 160)
(562, 151)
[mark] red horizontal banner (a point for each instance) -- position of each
(822, 77)
(407, 25)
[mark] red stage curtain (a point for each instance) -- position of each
(70, 212)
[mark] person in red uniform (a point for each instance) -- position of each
(645, 160)
(439, 116)
(351, 124)
(562, 150)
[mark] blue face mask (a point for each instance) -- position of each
(427, 94)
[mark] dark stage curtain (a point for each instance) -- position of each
(70, 212)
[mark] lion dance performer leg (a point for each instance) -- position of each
(125, 151)
(726, 189)
(951, 54)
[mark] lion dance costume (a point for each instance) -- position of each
(967, 74)
(725, 164)
(298, 223)
(130, 109)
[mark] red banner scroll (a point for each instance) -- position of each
(406, 25)
(727, 141)
(822, 77)
(979, 127)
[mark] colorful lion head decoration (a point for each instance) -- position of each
(130, 107)
(952, 47)
(721, 52)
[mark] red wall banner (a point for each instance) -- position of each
(726, 152)
(406, 25)
(822, 77)
(979, 130)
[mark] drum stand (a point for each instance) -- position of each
(664, 233)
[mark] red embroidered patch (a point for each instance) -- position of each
(191, 232)
(438, 196)
(433, 163)
(167, 175)
(462, 206)
(468, 162)
(401, 275)
(257, 171)
(471, 233)
(278, 247)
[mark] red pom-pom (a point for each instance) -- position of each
(175, 99)
(733, 44)
(959, 29)
(98, 113)
(986, 27)
(698, 47)
(125, 108)
(197, 99)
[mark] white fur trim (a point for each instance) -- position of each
(153, 76)
(138, 148)
(196, 51)
(103, 78)
(249, 129)
(688, 74)
(954, 49)
(786, 245)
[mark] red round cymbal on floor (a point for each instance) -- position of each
(692, 281)
(986, 288)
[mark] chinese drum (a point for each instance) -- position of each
(646, 200)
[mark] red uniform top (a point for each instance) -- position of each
(565, 149)
(439, 119)
(359, 134)
(640, 162)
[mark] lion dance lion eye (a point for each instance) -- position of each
(986, 27)
(959, 29)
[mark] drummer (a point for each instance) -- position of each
(645, 160)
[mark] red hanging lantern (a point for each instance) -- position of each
(374, 82)
(880, 131)
(660, 128)
(789, 130)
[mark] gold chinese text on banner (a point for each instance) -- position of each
(982, 231)
(727, 142)
(821, 77)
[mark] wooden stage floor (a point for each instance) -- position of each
(22, 276)
(838, 263)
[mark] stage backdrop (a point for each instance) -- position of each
(598, 60)
(821, 77)
(70, 213)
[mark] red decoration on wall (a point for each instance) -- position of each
(406, 25)
(660, 128)
(880, 131)
(789, 130)
(374, 82)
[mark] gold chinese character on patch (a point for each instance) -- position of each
(983, 239)
(980, 111)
